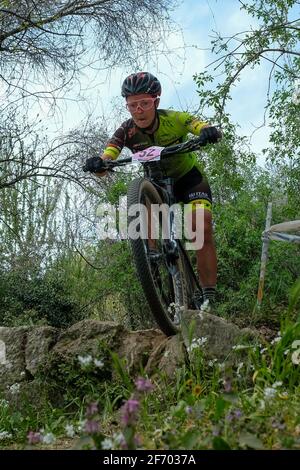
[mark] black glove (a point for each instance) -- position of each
(94, 165)
(211, 134)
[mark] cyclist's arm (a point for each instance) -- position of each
(191, 123)
(110, 153)
(113, 147)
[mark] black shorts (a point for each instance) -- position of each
(192, 186)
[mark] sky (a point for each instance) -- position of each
(197, 20)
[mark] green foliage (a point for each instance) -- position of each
(33, 297)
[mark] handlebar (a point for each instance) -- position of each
(188, 146)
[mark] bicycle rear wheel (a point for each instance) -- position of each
(161, 274)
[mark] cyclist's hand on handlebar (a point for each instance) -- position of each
(211, 134)
(94, 165)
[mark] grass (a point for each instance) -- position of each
(253, 405)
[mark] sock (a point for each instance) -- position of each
(209, 293)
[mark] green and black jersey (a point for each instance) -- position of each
(172, 129)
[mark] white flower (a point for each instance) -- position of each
(85, 360)
(14, 388)
(295, 344)
(5, 435)
(212, 362)
(81, 425)
(107, 444)
(276, 340)
(4, 403)
(70, 431)
(240, 366)
(197, 343)
(48, 438)
(263, 350)
(22, 374)
(269, 393)
(99, 363)
(296, 357)
(277, 384)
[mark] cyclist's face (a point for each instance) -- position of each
(142, 109)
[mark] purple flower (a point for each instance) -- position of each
(215, 431)
(34, 437)
(278, 425)
(91, 427)
(92, 409)
(227, 386)
(143, 385)
(238, 414)
(229, 417)
(129, 411)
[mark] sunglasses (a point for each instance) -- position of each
(144, 105)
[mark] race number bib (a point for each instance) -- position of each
(151, 154)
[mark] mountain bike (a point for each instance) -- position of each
(163, 265)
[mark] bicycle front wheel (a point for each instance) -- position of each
(161, 272)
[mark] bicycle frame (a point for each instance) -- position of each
(165, 186)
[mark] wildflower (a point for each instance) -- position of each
(70, 431)
(278, 425)
(270, 392)
(227, 385)
(129, 411)
(107, 444)
(91, 426)
(296, 357)
(197, 343)
(238, 414)
(92, 409)
(48, 438)
(277, 384)
(240, 366)
(4, 403)
(277, 339)
(212, 362)
(81, 425)
(99, 363)
(143, 385)
(85, 360)
(14, 389)
(215, 431)
(188, 410)
(197, 390)
(5, 435)
(189, 384)
(229, 417)
(34, 437)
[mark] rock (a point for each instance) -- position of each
(39, 342)
(215, 336)
(12, 366)
(137, 346)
